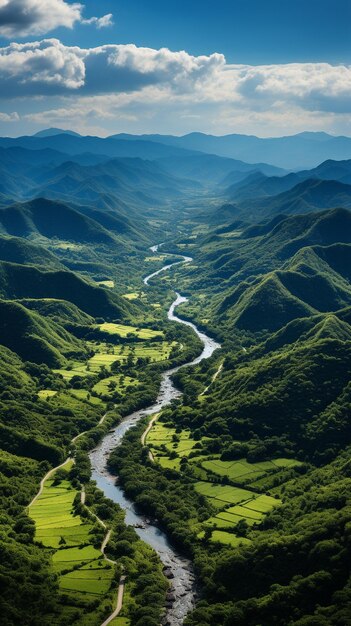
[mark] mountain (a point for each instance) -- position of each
(294, 152)
(22, 282)
(51, 132)
(51, 219)
(34, 338)
(257, 185)
(210, 168)
(19, 250)
(306, 196)
(111, 147)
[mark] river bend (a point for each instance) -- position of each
(183, 591)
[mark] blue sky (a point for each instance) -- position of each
(264, 67)
(245, 31)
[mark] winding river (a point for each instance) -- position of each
(182, 596)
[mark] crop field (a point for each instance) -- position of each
(154, 259)
(243, 472)
(105, 356)
(134, 295)
(123, 331)
(77, 368)
(83, 574)
(120, 384)
(83, 394)
(54, 518)
(228, 539)
(107, 283)
(93, 579)
(180, 443)
(222, 495)
(44, 394)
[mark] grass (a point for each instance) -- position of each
(83, 394)
(106, 283)
(83, 574)
(105, 356)
(233, 503)
(124, 331)
(228, 539)
(134, 295)
(44, 394)
(122, 384)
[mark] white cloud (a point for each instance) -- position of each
(9, 117)
(100, 22)
(147, 88)
(40, 68)
(19, 18)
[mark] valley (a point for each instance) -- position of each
(187, 402)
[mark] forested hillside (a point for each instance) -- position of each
(247, 469)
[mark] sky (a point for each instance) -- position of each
(262, 67)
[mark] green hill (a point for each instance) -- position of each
(33, 338)
(23, 281)
(52, 219)
(18, 250)
(267, 306)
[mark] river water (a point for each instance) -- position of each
(182, 595)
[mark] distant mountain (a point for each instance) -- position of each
(50, 132)
(310, 195)
(109, 146)
(210, 168)
(257, 184)
(295, 152)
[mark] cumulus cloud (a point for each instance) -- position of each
(99, 85)
(100, 22)
(9, 117)
(41, 68)
(49, 68)
(19, 18)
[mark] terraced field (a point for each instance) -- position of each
(123, 331)
(244, 472)
(84, 575)
(105, 356)
(233, 502)
(164, 441)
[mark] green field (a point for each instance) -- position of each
(104, 388)
(123, 331)
(83, 573)
(243, 472)
(106, 283)
(44, 394)
(105, 356)
(83, 394)
(77, 368)
(233, 503)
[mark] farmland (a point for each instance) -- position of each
(121, 330)
(233, 503)
(85, 578)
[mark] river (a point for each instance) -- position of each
(182, 595)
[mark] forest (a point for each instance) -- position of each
(246, 469)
